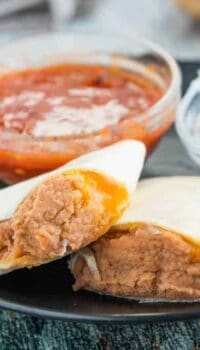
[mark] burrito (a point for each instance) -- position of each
(49, 216)
(153, 252)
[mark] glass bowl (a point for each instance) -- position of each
(23, 156)
(188, 120)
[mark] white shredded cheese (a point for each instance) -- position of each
(89, 92)
(27, 98)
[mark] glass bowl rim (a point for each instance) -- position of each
(172, 89)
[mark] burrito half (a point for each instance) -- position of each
(153, 252)
(49, 216)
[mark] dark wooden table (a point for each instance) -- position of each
(19, 332)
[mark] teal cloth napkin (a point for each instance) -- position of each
(19, 332)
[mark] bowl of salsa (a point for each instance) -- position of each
(63, 95)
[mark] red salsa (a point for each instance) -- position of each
(51, 115)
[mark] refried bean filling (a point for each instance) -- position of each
(143, 261)
(63, 214)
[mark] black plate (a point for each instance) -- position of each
(47, 290)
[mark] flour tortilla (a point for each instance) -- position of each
(168, 202)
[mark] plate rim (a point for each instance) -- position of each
(150, 317)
